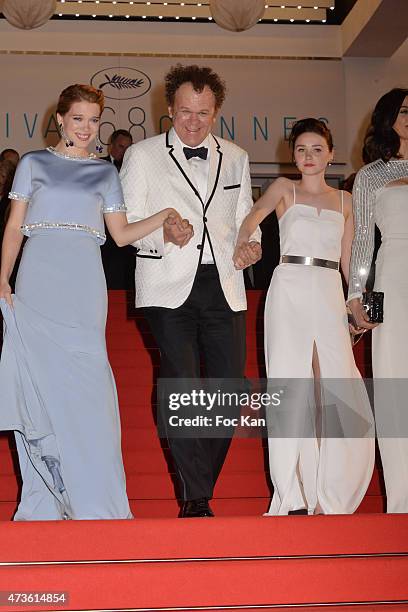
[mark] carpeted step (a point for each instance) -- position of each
(139, 356)
(142, 460)
(169, 508)
(248, 561)
(175, 586)
(261, 536)
(143, 437)
(145, 485)
(145, 455)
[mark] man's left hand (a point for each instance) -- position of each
(246, 254)
(177, 230)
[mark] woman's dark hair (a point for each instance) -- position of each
(310, 125)
(79, 93)
(381, 140)
(199, 77)
(7, 171)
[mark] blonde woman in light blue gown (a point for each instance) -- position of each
(57, 391)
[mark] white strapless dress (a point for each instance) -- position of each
(304, 308)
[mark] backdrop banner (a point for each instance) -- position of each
(264, 98)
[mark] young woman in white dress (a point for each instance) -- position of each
(380, 197)
(328, 468)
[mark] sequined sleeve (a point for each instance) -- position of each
(364, 228)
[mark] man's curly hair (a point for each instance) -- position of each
(199, 77)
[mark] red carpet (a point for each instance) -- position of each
(240, 562)
(243, 487)
(221, 562)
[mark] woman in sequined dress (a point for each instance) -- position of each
(380, 197)
(57, 391)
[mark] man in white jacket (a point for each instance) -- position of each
(194, 299)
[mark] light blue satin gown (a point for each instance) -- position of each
(57, 391)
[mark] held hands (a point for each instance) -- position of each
(360, 319)
(246, 254)
(5, 293)
(177, 230)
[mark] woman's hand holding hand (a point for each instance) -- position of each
(177, 230)
(360, 316)
(246, 254)
(172, 216)
(5, 293)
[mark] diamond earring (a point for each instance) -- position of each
(98, 144)
(68, 142)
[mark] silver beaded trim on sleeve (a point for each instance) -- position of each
(13, 195)
(363, 243)
(368, 183)
(116, 208)
(28, 228)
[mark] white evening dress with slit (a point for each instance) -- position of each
(304, 308)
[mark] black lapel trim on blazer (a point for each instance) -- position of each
(207, 235)
(171, 153)
(149, 256)
(218, 173)
(171, 147)
(201, 250)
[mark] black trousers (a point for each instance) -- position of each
(118, 264)
(204, 326)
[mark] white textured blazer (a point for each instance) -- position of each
(155, 174)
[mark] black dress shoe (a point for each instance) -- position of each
(299, 511)
(196, 507)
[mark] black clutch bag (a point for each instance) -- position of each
(373, 303)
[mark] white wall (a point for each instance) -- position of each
(344, 90)
(264, 98)
(177, 38)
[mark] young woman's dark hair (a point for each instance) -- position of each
(381, 140)
(7, 171)
(199, 77)
(310, 125)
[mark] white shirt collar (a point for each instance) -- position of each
(205, 143)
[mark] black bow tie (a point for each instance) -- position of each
(200, 152)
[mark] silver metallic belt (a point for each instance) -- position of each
(310, 261)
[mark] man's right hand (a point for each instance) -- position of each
(176, 231)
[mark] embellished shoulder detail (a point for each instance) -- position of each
(380, 172)
(114, 208)
(13, 195)
(369, 180)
